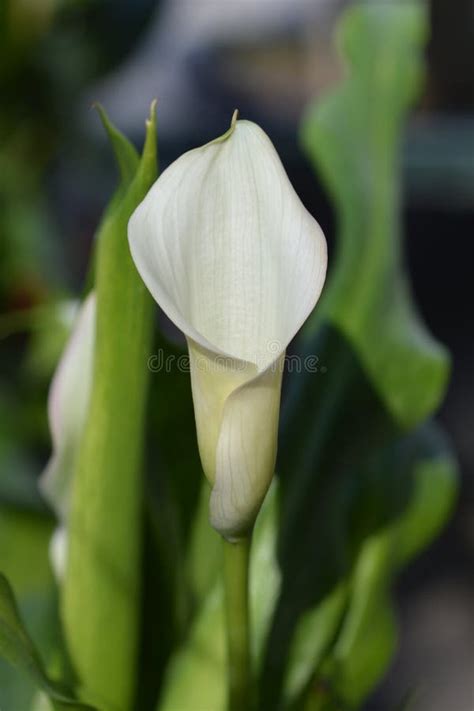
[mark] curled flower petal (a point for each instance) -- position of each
(234, 259)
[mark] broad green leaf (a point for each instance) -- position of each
(196, 676)
(383, 374)
(100, 599)
(366, 636)
(367, 639)
(332, 424)
(17, 648)
(353, 136)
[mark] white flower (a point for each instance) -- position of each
(68, 401)
(231, 255)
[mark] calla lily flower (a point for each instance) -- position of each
(68, 400)
(234, 259)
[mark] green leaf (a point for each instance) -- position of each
(434, 493)
(353, 137)
(18, 649)
(125, 153)
(367, 639)
(313, 635)
(345, 459)
(101, 593)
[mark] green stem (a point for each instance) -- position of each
(236, 577)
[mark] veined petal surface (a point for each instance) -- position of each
(234, 259)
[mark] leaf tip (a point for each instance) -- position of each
(97, 106)
(151, 120)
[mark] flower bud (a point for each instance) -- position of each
(235, 260)
(67, 410)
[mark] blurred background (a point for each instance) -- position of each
(202, 59)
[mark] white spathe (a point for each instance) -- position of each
(234, 259)
(68, 401)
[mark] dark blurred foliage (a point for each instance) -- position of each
(450, 55)
(49, 52)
